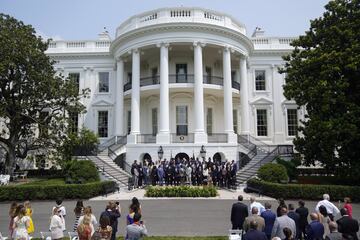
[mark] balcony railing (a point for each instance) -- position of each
(217, 138)
(146, 138)
(182, 138)
(182, 78)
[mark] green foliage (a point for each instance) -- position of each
(82, 171)
(181, 191)
(305, 191)
(45, 190)
(33, 98)
(290, 167)
(323, 73)
(82, 144)
(273, 172)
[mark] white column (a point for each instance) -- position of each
(163, 135)
(228, 104)
(244, 98)
(119, 98)
(135, 97)
(199, 133)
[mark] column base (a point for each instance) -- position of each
(200, 137)
(163, 138)
(131, 138)
(232, 137)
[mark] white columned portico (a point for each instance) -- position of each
(135, 97)
(199, 132)
(244, 97)
(119, 98)
(228, 104)
(163, 136)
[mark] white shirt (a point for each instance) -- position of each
(62, 211)
(330, 207)
(259, 206)
(56, 227)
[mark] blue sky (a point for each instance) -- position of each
(84, 19)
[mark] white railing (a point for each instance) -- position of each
(52, 45)
(81, 46)
(75, 44)
(173, 15)
(260, 41)
(273, 42)
(102, 44)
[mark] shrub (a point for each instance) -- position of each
(53, 191)
(82, 171)
(181, 191)
(305, 191)
(290, 166)
(273, 172)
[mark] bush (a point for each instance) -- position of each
(305, 191)
(54, 190)
(181, 191)
(273, 172)
(290, 166)
(82, 171)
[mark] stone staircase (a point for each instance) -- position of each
(251, 168)
(112, 171)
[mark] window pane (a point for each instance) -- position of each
(75, 77)
(209, 121)
(154, 121)
(103, 123)
(181, 120)
(235, 120)
(261, 115)
(129, 122)
(260, 82)
(292, 122)
(103, 82)
(73, 122)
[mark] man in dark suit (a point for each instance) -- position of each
(315, 230)
(303, 213)
(253, 233)
(347, 226)
(239, 212)
(296, 217)
(269, 218)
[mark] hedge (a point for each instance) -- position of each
(181, 191)
(273, 172)
(52, 191)
(305, 191)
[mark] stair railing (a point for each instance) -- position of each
(126, 167)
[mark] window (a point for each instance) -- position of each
(73, 122)
(129, 77)
(103, 82)
(181, 120)
(233, 76)
(44, 124)
(75, 77)
(181, 73)
(260, 84)
(261, 115)
(129, 122)
(154, 76)
(154, 121)
(292, 122)
(103, 124)
(209, 121)
(208, 75)
(235, 121)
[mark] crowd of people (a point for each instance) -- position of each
(86, 226)
(258, 222)
(184, 172)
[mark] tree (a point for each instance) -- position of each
(323, 74)
(33, 99)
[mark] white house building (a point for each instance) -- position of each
(181, 78)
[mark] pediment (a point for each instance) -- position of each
(102, 103)
(288, 102)
(261, 101)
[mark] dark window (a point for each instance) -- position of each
(181, 73)
(235, 121)
(154, 121)
(103, 124)
(292, 122)
(75, 77)
(260, 82)
(154, 75)
(261, 115)
(103, 82)
(209, 121)
(181, 120)
(73, 122)
(208, 75)
(129, 122)
(129, 77)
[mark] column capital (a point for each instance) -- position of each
(198, 43)
(228, 48)
(88, 68)
(163, 44)
(134, 50)
(119, 59)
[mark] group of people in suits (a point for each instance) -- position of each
(184, 172)
(258, 222)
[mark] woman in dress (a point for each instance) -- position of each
(56, 224)
(84, 229)
(21, 224)
(12, 215)
(93, 221)
(29, 212)
(78, 210)
(104, 230)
